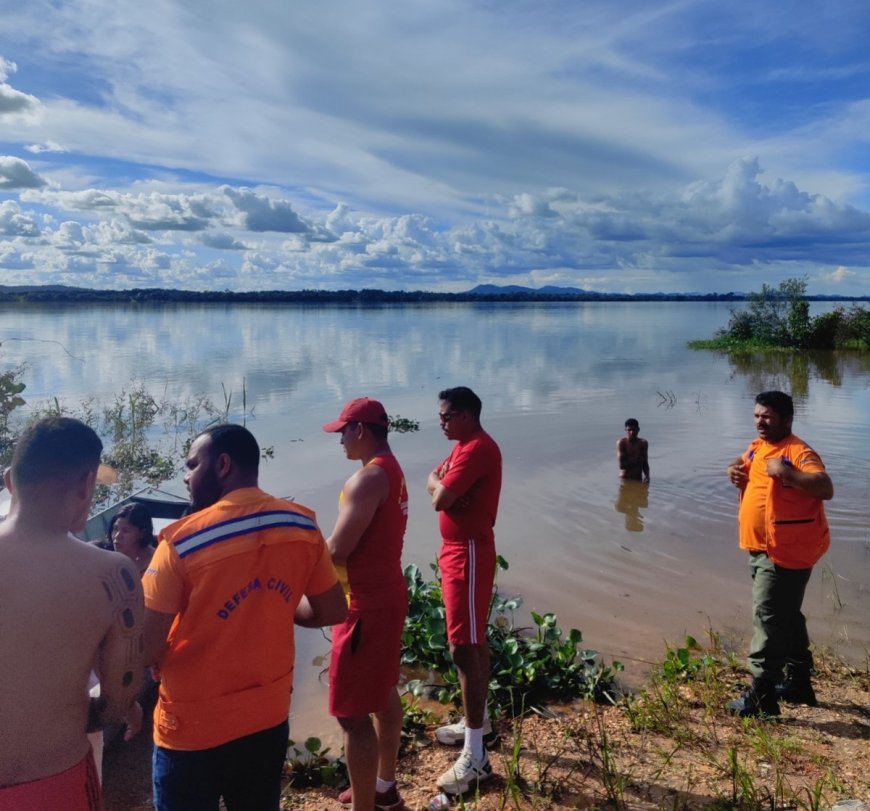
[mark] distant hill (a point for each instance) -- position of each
(508, 289)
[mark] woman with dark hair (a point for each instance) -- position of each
(133, 534)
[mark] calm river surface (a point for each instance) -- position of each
(631, 567)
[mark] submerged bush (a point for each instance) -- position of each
(779, 318)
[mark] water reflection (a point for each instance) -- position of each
(793, 371)
(556, 380)
(633, 497)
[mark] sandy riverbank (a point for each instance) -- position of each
(588, 755)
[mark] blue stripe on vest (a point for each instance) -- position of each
(243, 525)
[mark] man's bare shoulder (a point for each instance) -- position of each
(94, 559)
(368, 477)
(78, 561)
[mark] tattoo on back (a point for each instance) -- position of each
(125, 601)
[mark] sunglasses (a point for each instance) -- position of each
(447, 416)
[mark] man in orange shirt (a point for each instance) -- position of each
(782, 524)
(465, 490)
(221, 595)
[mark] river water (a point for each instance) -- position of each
(630, 566)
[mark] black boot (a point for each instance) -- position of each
(796, 688)
(758, 700)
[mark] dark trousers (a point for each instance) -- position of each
(779, 637)
(246, 772)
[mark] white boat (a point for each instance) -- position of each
(163, 507)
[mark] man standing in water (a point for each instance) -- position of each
(221, 595)
(632, 453)
(465, 490)
(67, 607)
(366, 548)
(782, 525)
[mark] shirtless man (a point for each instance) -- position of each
(67, 608)
(632, 453)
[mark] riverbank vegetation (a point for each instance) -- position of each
(531, 667)
(145, 436)
(778, 318)
(668, 745)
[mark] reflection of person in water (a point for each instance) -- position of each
(632, 453)
(632, 498)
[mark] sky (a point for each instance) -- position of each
(610, 145)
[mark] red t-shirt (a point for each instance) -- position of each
(473, 470)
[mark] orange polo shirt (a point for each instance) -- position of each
(233, 575)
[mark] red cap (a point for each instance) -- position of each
(362, 409)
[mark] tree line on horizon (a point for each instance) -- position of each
(73, 295)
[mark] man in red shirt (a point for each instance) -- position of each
(366, 548)
(782, 524)
(465, 490)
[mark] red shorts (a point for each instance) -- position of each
(75, 789)
(364, 666)
(467, 578)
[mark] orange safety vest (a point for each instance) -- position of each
(796, 532)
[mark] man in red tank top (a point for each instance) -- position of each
(366, 548)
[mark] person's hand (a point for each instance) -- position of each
(777, 468)
(737, 474)
(133, 719)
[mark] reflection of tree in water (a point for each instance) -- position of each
(792, 371)
(632, 498)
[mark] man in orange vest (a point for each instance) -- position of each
(222, 593)
(782, 525)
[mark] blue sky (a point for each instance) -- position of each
(606, 144)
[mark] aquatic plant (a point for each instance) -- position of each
(530, 666)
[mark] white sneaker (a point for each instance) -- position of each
(454, 734)
(465, 773)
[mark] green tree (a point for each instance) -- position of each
(144, 438)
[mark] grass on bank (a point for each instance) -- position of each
(571, 738)
(669, 745)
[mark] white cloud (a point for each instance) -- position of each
(839, 275)
(259, 213)
(48, 146)
(17, 174)
(12, 101)
(14, 223)
(438, 143)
